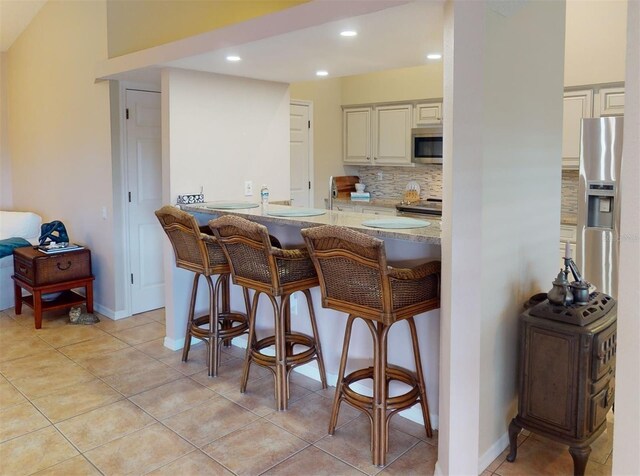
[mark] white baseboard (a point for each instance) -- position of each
(437, 471)
(110, 313)
(493, 452)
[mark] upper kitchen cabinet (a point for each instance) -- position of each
(611, 102)
(427, 114)
(378, 135)
(392, 135)
(356, 135)
(577, 105)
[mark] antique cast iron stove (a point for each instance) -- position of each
(566, 374)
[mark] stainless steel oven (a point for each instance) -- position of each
(426, 145)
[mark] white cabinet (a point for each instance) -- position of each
(377, 136)
(356, 135)
(427, 114)
(577, 105)
(610, 102)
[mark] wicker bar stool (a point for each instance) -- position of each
(355, 278)
(199, 252)
(278, 273)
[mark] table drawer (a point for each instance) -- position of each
(50, 269)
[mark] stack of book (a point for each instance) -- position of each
(51, 248)
(361, 196)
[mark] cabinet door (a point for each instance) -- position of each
(611, 102)
(356, 135)
(577, 105)
(428, 114)
(392, 135)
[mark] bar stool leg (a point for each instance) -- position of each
(192, 306)
(379, 333)
(251, 340)
(424, 403)
(343, 365)
(212, 342)
(316, 338)
(280, 315)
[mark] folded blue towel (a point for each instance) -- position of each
(7, 246)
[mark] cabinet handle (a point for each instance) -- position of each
(22, 269)
(64, 268)
(368, 158)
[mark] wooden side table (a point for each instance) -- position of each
(40, 273)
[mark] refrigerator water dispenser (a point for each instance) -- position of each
(600, 204)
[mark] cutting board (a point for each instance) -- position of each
(345, 185)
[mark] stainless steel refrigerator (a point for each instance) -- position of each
(598, 202)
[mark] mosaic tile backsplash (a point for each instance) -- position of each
(390, 182)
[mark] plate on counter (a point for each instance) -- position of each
(297, 212)
(397, 223)
(230, 205)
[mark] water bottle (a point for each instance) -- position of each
(264, 196)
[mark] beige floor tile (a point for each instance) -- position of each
(313, 461)
(6, 321)
(140, 452)
(173, 397)
(308, 418)
(197, 361)
(76, 466)
(539, 458)
(352, 444)
(11, 330)
(260, 396)
(210, 420)
(414, 429)
(151, 376)
(228, 380)
(50, 319)
(120, 361)
(156, 349)
(304, 381)
(43, 384)
(105, 424)
(254, 448)
(9, 395)
(603, 446)
(22, 347)
(76, 399)
(34, 451)
(141, 334)
(69, 334)
(195, 463)
(418, 461)
(157, 315)
(98, 346)
(32, 365)
(501, 458)
(19, 420)
(115, 325)
(235, 351)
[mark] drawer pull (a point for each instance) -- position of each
(22, 269)
(64, 268)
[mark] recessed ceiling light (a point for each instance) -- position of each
(434, 56)
(233, 58)
(348, 33)
(322, 73)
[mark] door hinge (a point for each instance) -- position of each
(131, 278)
(127, 113)
(309, 124)
(129, 197)
(309, 184)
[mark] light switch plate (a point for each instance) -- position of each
(248, 188)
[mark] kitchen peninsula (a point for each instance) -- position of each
(404, 247)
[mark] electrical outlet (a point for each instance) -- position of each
(248, 188)
(380, 176)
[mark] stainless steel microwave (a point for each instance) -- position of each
(426, 145)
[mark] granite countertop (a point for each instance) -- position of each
(430, 234)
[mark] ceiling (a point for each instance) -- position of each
(15, 15)
(395, 37)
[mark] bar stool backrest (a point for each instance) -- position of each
(355, 277)
(257, 261)
(193, 250)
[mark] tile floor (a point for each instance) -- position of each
(111, 399)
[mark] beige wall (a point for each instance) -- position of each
(135, 25)
(327, 131)
(418, 82)
(6, 187)
(59, 129)
(595, 41)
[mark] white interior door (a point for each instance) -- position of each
(144, 180)
(301, 165)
